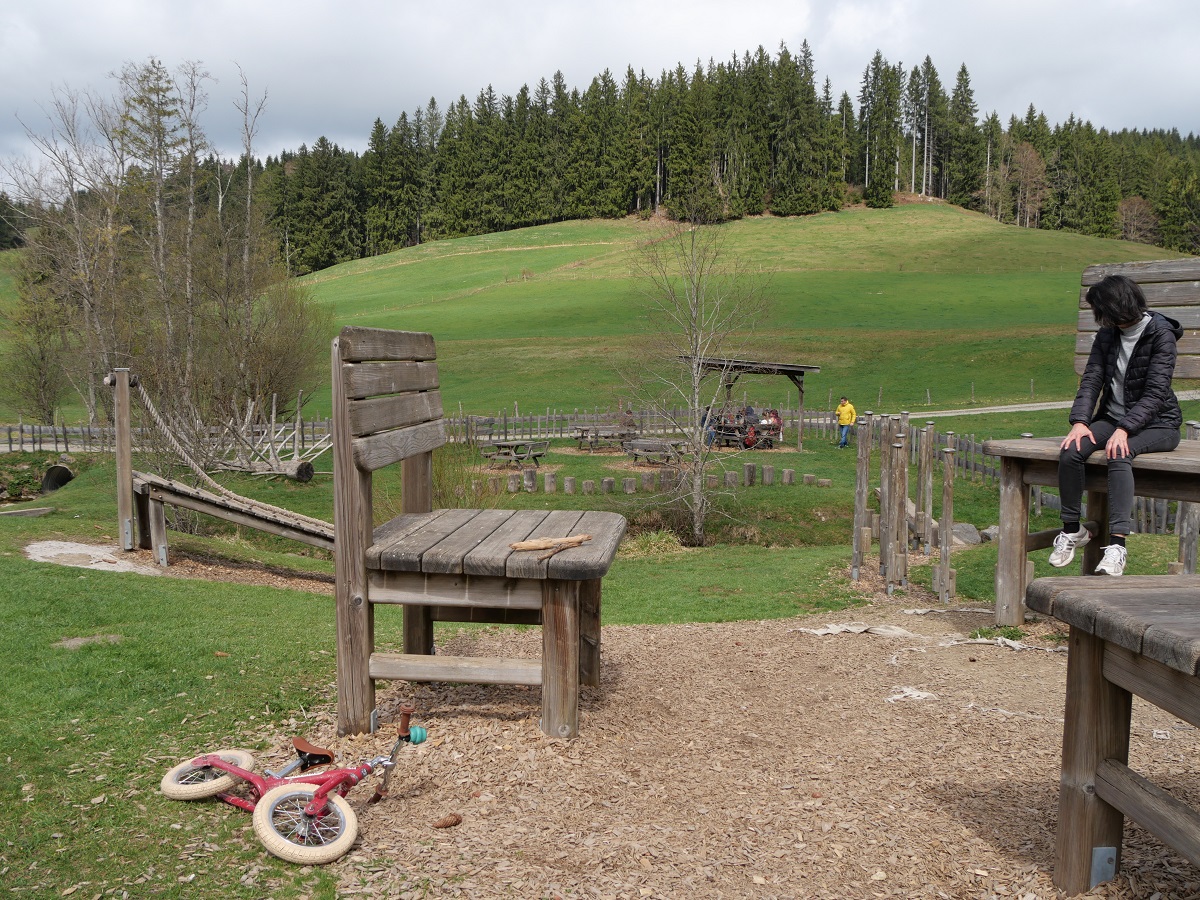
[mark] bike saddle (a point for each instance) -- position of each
(310, 754)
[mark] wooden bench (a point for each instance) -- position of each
(446, 565)
(595, 438)
(1131, 635)
(1172, 287)
(653, 450)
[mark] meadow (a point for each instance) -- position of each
(915, 299)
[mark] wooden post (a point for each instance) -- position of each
(416, 486)
(560, 658)
(568, 484)
(925, 485)
(123, 417)
(353, 615)
(946, 529)
(1187, 521)
(748, 473)
(1095, 728)
(900, 508)
(768, 476)
(861, 487)
(1011, 553)
(589, 632)
(886, 532)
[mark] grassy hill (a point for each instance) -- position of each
(919, 300)
(922, 297)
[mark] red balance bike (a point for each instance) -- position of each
(301, 818)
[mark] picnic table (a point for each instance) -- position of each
(593, 438)
(514, 452)
(655, 450)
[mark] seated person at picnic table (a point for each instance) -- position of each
(1128, 374)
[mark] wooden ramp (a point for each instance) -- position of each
(151, 492)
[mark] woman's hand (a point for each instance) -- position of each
(1078, 432)
(1118, 444)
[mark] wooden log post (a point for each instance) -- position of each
(886, 536)
(514, 482)
(122, 414)
(789, 476)
(529, 477)
(945, 587)
(568, 484)
(768, 476)
(748, 474)
(900, 507)
(607, 485)
(629, 485)
(648, 481)
(712, 482)
(589, 486)
(1187, 521)
(560, 658)
(550, 482)
(861, 486)
(925, 466)
(1095, 728)
(731, 479)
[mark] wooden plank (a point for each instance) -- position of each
(560, 658)
(1124, 617)
(378, 450)
(420, 588)
(1174, 823)
(357, 343)
(1166, 688)
(491, 556)
(353, 615)
(1043, 592)
(259, 520)
(394, 411)
(447, 555)
(1185, 366)
(1095, 728)
(396, 529)
(1187, 316)
(124, 458)
(374, 378)
(1189, 344)
(404, 554)
(1160, 293)
(1187, 269)
(559, 523)
(461, 669)
(593, 558)
(486, 615)
(156, 518)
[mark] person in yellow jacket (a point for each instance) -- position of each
(845, 418)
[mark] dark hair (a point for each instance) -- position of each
(1116, 300)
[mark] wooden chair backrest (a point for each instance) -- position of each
(386, 386)
(1171, 286)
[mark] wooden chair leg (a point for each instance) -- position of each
(560, 658)
(418, 630)
(589, 633)
(1096, 728)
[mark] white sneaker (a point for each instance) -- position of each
(1065, 545)
(1113, 562)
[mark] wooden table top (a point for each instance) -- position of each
(1184, 460)
(1157, 616)
(476, 542)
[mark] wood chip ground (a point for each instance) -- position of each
(753, 759)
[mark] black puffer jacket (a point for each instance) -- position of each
(1149, 399)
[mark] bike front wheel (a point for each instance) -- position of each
(188, 782)
(286, 832)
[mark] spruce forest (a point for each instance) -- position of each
(753, 135)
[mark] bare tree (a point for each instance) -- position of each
(702, 304)
(1029, 171)
(1137, 220)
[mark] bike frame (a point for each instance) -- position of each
(338, 781)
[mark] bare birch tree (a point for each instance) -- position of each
(702, 304)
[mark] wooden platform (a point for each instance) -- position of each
(1129, 635)
(1028, 461)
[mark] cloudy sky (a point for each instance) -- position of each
(331, 68)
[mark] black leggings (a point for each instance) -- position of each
(1152, 439)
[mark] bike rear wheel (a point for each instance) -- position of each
(286, 832)
(188, 782)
